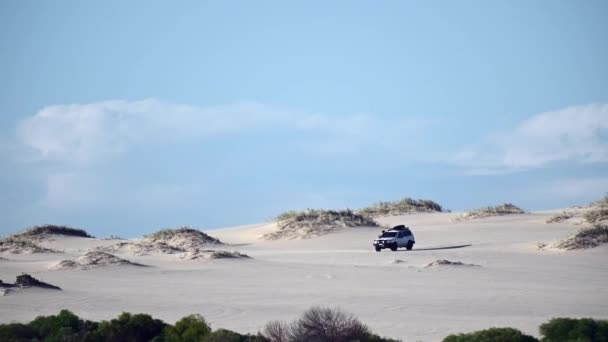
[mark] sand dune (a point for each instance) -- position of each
(516, 284)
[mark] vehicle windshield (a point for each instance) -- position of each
(388, 234)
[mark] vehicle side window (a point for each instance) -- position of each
(400, 235)
(408, 233)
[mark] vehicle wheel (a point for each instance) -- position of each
(410, 245)
(378, 249)
(394, 247)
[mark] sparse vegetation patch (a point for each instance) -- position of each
(404, 206)
(51, 229)
(585, 238)
(499, 210)
(597, 212)
(313, 222)
(14, 245)
(444, 262)
(563, 216)
(212, 254)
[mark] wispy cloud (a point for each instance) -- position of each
(81, 142)
(88, 133)
(574, 134)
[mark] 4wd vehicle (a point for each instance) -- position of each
(398, 236)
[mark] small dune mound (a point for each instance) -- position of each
(39, 232)
(312, 222)
(183, 239)
(585, 238)
(15, 245)
(404, 206)
(26, 280)
(444, 262)
(139, 248)
(207, 254)
(169, 241)
(166, 241)
(563, 216)
(94, 259)
(499, 210)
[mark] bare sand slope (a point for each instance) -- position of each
(512, 283)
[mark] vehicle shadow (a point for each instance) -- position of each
(438, 248)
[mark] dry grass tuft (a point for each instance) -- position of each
(499, 210)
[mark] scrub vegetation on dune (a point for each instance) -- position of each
(598, 211)
(563, 216)
(212, 254)
(51, 229)
(498, 210)
(14, 245)
(586, 238)
(313, 222)
(403, 206)
(182, 239)
(25, 242)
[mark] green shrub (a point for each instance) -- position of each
(17, 332)
(580, 330)
(188, 329)
(130, 327)
(492, 335)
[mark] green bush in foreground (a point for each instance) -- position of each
(492, 335)
(315, 325)
(191, 328)
(580, 330)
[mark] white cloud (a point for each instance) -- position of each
(88, 133)
(82, 140)
(577, 134)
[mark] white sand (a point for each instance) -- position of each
(516, 284)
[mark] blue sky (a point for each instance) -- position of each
(124, 117)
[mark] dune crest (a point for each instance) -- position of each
(166, 241)
(499, 210)
(312, 222)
